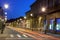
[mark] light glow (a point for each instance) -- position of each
(6, 6)
(20, 19)
(57, 28)
(31, 14)
(5, 13)
(50, 27)
(25, 17)
(43, 9)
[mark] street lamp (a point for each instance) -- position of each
(31, 14)
(5, 16)
(43, 9)
(20, 19)
(5, 19)
(6, 6)
(25, 17)
(5, 13)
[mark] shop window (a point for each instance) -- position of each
(51, 24)
(57, 27)
(58, 24)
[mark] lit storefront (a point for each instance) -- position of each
(53, 22)
(58, 25)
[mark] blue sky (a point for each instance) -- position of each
(17, 8)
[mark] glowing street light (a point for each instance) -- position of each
(43, 9)
(5, 13)
(20, 19)
(31, 14)
(6, 6)
(5, 19)
(25, 17)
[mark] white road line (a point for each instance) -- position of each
(11, 35)
(25, 35)
(18, 35)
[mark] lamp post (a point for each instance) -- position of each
(6, 6)
(31, 14)
(44, 10)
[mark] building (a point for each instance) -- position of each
(2, 15)
(48, 20)
(29, 19)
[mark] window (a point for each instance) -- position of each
(51, 24)
(58, 24)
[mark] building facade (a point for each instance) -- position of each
(29, 20)
(49, 20)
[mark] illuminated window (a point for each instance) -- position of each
(58, 24)
(51, 24)
(57, 27)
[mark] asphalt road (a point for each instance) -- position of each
(14, 33)
(10, 34)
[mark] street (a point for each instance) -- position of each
(13, 33)
(10, 34)
(30, 20)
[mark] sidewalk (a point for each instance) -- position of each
(55, 35)
(4, 35)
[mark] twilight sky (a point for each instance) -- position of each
(16, 8)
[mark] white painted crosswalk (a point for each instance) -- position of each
(25, 35)
(18, 36)
(11, 35)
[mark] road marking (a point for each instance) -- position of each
(25, 35)
(11, 35)
(18, 35)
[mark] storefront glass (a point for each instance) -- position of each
(51, 24)
(58, 24)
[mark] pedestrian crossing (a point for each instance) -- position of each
(18, 36)
(25, 35)
(11, 35)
